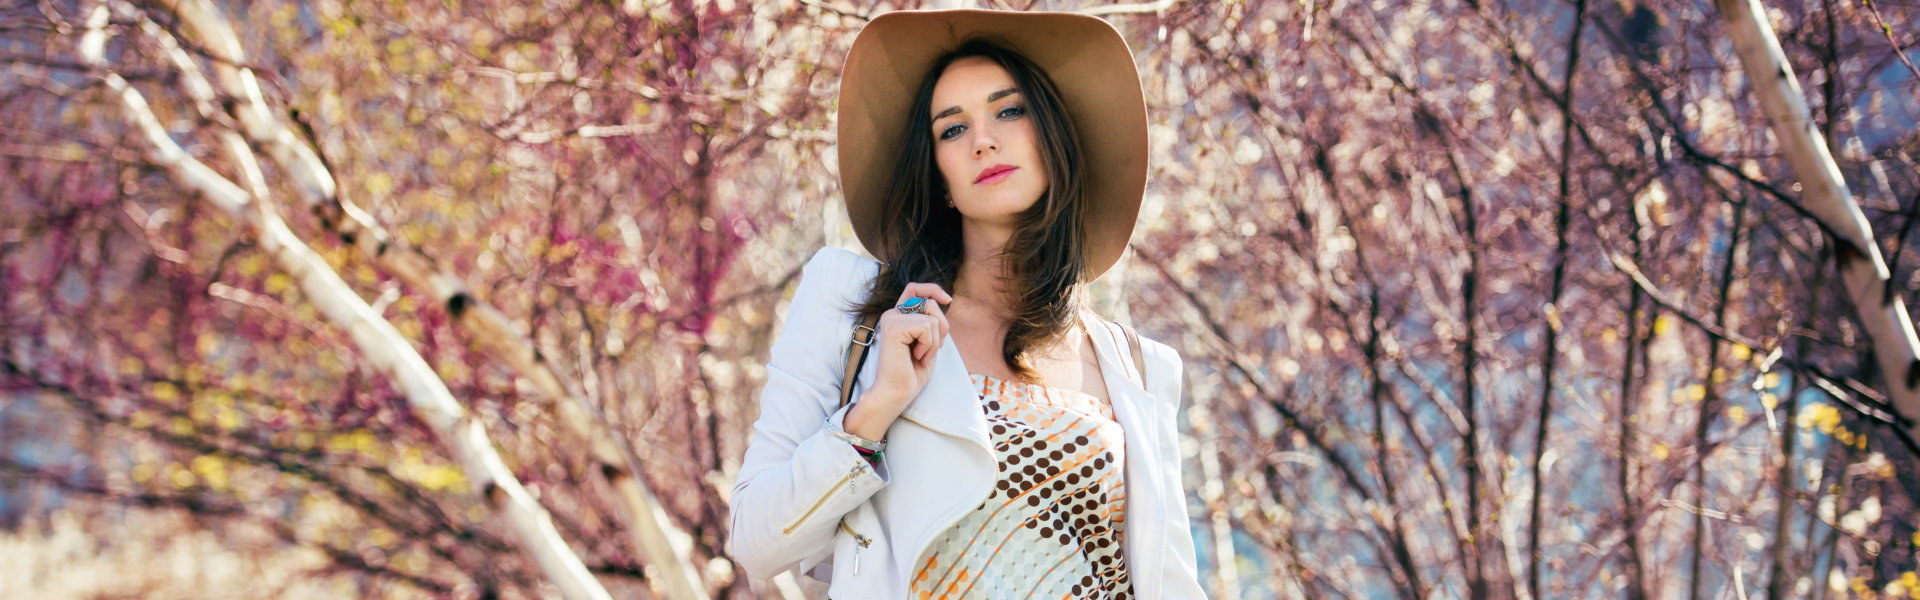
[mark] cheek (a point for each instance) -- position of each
(1031, 141)
(951, 159)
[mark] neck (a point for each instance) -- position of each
(983, 271)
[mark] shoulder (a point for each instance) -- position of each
(819, 315)
(839, 262)
(834, 278)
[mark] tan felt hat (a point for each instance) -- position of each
(1084, 56)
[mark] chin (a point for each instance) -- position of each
(1006, 204)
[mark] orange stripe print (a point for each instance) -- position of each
(1053, 524)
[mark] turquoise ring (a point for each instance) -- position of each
(914, 306)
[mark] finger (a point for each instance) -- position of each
(922, 349)
(900, 328)
(940, 319)
(930, 291)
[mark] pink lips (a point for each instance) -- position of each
(994, 174)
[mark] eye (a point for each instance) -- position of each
(1013, 112)
(952, 131)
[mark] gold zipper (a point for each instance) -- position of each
(795, 524)
(857, 539)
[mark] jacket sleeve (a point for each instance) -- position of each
(797, 480)
(1181, 579)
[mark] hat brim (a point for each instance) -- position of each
(1085, 57)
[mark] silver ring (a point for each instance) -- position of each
(914, 306)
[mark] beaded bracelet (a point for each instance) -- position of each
(867, 449)
(872, 456)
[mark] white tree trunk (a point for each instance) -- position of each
(659, 543)
(1863, 272)
(380, 344)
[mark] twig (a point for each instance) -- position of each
(837, 10)
(1129, 9)
(1874, 12)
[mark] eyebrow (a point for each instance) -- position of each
(954, 110)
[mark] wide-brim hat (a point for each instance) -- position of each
(1085, 57)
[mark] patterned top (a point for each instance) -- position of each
(1051, 528)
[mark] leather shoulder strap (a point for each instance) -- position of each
(1133, 343)
(857, 355)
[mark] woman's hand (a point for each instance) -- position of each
(907, 344)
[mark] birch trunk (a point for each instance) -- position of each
(659, 543)
(1863, 272)
(380, 344)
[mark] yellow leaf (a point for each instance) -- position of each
(1660, 452)
(1741, 352)
(379, 184)
(1691, 394)
(1663, 325)
(180, 478)
(211, 469)
(381, 537)
(1737, 415)
(226, 418)
(278, 282)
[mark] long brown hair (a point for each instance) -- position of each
(1046, 257)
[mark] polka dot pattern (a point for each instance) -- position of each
(1052, 526)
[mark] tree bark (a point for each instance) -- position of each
(1864, 274)
(382, 346)
(1550, 349)
(658, 541)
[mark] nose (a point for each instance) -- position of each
(984, 140)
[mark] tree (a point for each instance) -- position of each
(1477, 299)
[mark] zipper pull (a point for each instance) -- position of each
(860, 542)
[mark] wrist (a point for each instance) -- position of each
(866, 421)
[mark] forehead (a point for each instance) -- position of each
(969, 80)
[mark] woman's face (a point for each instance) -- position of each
(984, 142)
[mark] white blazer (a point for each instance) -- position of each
(806, 500)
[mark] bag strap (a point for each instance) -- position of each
(1133, 343)
(857, 355)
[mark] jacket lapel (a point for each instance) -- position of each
(948, 404)
(1133, 408)
(946, 460)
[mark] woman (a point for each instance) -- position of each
(1005, 445)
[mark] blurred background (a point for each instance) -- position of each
(1478, 299)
